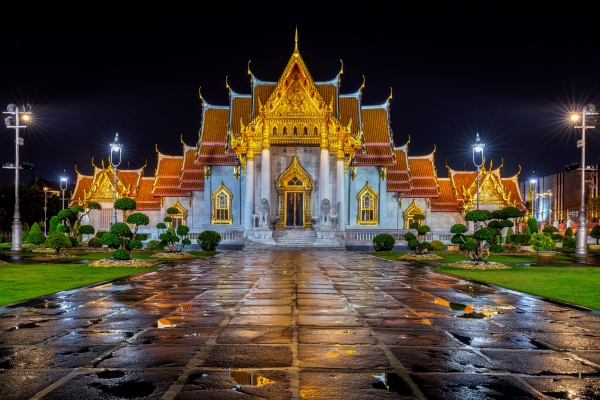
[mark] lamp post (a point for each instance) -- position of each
(477, 148)
(14, 120)
(581, 249)
(45, 207)
(63, 187)
(115, 147)
(543, 195)
(533, 182)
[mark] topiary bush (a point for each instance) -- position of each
(384, 242)
(2, 239)
(94, 242)
(120, 254)
(142, 236)
(437, 245)
(541, 242)
(496, 248)
(209, 240)
(100, 233)
(569, 232)
(155, 245)
(35, 235)
(57, 241)
(425, 246)
(74, 241)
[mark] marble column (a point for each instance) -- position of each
(249, 200)
(324, 176)
(341, 221)
(265, 177)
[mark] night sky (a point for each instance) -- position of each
(91, 73)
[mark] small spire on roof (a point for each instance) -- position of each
(362, 86)
(200, 93)
(389, 98)
(434, 149)
(93, 163)
(156, 148)
(249, 72)
(342, 68)
(296, 43)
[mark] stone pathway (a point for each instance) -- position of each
(302, 324)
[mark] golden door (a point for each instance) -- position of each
(294, 209)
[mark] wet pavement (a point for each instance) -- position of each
(311, 324)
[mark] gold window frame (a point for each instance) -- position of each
(410, 212)
(221, 210)
(367, 206)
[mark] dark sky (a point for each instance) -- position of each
(91, 73)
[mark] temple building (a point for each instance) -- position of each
(297, 162)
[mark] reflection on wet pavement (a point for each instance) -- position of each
(302, 324)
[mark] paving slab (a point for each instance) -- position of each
(296, 324)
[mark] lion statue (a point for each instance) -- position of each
(264, 213)
(325, 212)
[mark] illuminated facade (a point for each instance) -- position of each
(298, 155)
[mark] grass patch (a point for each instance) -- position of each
(556, 280)
(20, 282)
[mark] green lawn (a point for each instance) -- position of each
(20, 282)
(559, 280)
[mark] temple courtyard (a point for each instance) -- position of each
(297, 324)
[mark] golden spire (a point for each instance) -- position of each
(362, 86)
(434, 149)
(156, 148)
(296, 53)
(342, 68)
(200, 93)
(389, 98)
(181, 138)
(249, 72)
(77, 172)
(93, 163)
(227, 83)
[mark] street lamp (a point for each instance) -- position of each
(14, 120)
(549, 195)
(533, 182)
(63, 187)
(581, 249)
(115, 148)
(477, 148)
(45, 207)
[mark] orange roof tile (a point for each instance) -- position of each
(421, 167)
(263, 92)
(349, 106)
(241, 109)
(145, 200)
(375, 125)
(328, 92)
(83, 184)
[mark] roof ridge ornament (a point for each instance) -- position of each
(296, 53)
(362, 86)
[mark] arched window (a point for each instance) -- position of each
(179, 218)
(221, 212)
(367, 206)
(295, 131)
(305, 131)
(409, 214)
(285, 131)
(274, 131)
(316, 131)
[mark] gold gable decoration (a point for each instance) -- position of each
(410, 213)
(296, 115)
(491, 192)
(102, 187)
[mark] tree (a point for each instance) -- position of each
(138, 219)
(474, 245)
(161, 226)
(86, 230)
(35, 235)
(69, 218)
(183, 231)
(533, 225)
(57, 241)
(54, 222)
(125, 204)
(169, 239)
(595, 233)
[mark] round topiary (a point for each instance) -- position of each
(209, 240)
(155, 245)
(120, 254)
(94, 242)
(74, 241)
(496, 248)
(437, 245)
(384, 242)
(425, 246)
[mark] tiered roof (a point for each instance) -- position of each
(167, 175)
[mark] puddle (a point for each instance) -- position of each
(6, 365)
(127, 390)
(46, 304)
(110, 374)
(27, 325)
(248, 379)
(392, 383)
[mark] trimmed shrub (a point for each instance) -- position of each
(142, 236)
(532, 223)
(2, 239)
(57, 241)
(384, 242)
(557, 237)
(541, 242)
(549, 230)
(569, 242)
(54, 222)
(35, 235)
(62, 229)
(569, 232)
(520, 239)
(209, 240)
(135, 245)
(94, 242)
(437, 245)
(155, 245)
(100, 233)
(120, 254)
(74, 241)
(425, 246)
(496, 248)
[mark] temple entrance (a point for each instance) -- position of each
(294, 203)
(294, 209)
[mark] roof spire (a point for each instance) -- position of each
(296, 43)
(200, 93)
(362, 86)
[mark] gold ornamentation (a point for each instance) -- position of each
(294, 180)
(367, 206)
(221, 205)
(410, 213)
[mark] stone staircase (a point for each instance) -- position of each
(294, 239)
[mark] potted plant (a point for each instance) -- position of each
(543, 245)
